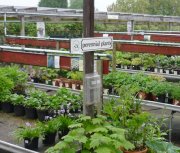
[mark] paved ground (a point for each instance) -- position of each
(8, 122)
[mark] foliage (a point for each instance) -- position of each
(175, 92)
(93, 135)
(31, 102)
(142, 129)
(54, 3)
(75, 75)
(136, 61)
(156, 7)
(17, 99)
(162, 88)
(26, 132)
(76, 4)
(162, 146)
(48, 127)
(42, 99)
(48, 73)
(63, 122)
(6, 85)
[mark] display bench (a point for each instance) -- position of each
(158, 105)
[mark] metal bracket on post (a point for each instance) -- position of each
(100, 72)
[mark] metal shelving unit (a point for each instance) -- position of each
(167, 76)
(108, 97)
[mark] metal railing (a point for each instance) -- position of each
(14, 148)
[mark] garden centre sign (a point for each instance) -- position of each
(80, 45)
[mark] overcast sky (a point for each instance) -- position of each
(100, 4)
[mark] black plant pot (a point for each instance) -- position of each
(161, 98)
(30, 113)
(49, 138)
(41, 114)
(7, 107)
(62, 133)
(19, 110)
(31, 143)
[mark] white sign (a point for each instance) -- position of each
(40, 29)
(113, 16)
(91, 44)
(56, 62)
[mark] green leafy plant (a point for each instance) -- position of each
(75, 75)
(6, 86)
(175, 92)
(162, 88)
(27, 132)
(92, 135)
(50, 126)
(17, 99)
(31, 102)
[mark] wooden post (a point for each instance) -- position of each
(170, 26)
(88, 21)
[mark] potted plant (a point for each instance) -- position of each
(30, 105)
(175, 94)
(17, 101)
(136, 63)
(161, 91)
(126, 63)
(43, 103)
(76, 77)
(63, 123)
(18, 77)
(6, 103)
(6, 86)
(49, 130)
(29, 134)
(92, 135)
(141, 127)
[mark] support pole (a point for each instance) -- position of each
(5, 28)
(170, 125)
(114, 58)
(100, 72)
(88, 21)
(22, 26)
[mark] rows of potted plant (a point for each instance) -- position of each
(46, 131)
(56, 77)
(146, 87)
(123, 128)
(149, 62)
(12, 80)
(39, 104)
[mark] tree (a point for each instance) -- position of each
(130, 6)
(76, 4)
(155, 7)
(54, 3)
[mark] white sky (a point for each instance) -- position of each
(101, 5)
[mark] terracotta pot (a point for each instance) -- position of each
(56, 82)
(68, 83)
(143, 151)
(176, 102)
(142, 95)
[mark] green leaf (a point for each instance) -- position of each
(103, 150)
(77, 125)
(96, 121)
(100, 129)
